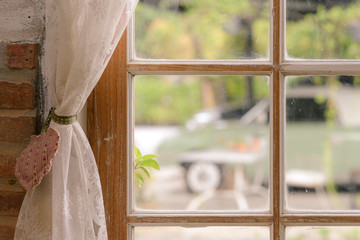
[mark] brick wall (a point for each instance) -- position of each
(17, 123)
(21, 31)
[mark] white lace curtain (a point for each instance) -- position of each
(80, 38)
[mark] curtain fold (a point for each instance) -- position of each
(81, 36)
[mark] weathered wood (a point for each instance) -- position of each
(200, 68)
(7, 227)
(107, 132)
(315, 219)
(311, 67)
(275, 152)
(276, 116)
(10, 203)
(209, 220)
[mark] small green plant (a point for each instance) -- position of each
(142, 164)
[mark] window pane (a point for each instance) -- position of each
(322, 142)
(323, 29)
(208, 233)
(202, 29)
(212, 137)
(321, 233)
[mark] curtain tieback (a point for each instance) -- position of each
(64, 120)
(35, 161)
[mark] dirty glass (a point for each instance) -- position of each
(208, 233)
(322, 233)
(318, 29)
(322, 142)
(211, 135)
(202, 29)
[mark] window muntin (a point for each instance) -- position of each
(204, 29)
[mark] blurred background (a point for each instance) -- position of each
(212, 132)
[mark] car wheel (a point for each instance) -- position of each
(201, 177)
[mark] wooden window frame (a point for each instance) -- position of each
(109, 120)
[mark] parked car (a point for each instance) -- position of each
(322, 134)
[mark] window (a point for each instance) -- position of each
(295, 66)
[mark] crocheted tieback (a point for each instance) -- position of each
(35, 161)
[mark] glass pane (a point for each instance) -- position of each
(322, 142)
(322, 233)
(202, 29)
(205, 233)
(212, 137)
(321, 29)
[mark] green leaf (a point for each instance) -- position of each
(137, 153)
(149, 156)
(137, 162)
(140, 179)
(137, 165)
(150, 163)
(146, 171)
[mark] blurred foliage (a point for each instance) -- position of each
(172, 100)
(166, 99)
(328, 34)
(228, 29)
(202, 29)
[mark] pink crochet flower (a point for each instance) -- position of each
(36, 159)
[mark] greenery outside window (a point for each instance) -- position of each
(252, 108)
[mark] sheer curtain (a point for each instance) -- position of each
(80, 38)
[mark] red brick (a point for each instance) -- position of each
(7, 232)
(10, 184)
(17, 96)
(22, 55)
(7, 227)
(10, 203)
(7, 164)
(8, 154)
(16, 129)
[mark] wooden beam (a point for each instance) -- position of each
(201, 220)
(276, 116)
(200, 67)
(313, 67)
(319, 220)
(107, 133)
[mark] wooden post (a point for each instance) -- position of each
(107, 133)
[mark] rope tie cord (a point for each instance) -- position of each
(64, 120)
